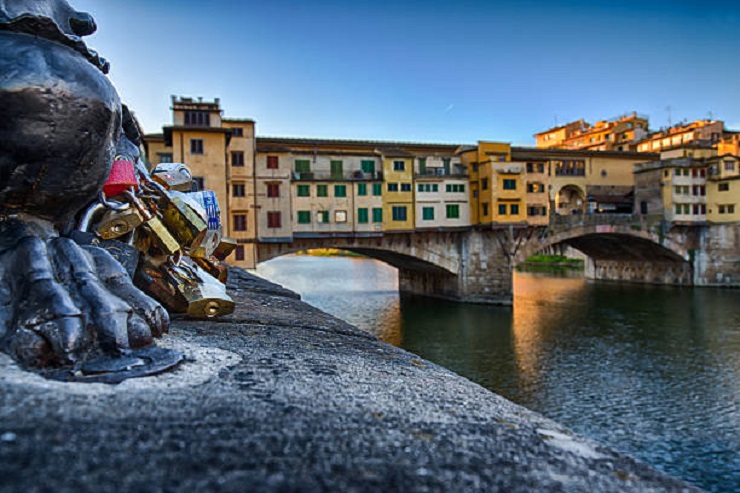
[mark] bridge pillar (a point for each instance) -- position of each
(484, 272)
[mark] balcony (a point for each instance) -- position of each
(324, 175)
(457, 172)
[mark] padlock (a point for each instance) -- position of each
(208, 201)
(173, 176)
(183, 220)
(207, 298)
(152, 232)
(117, 223)
(224, 248)
(121, 178)
(214, 267)
(209, 244)
(185, 288)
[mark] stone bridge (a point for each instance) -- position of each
(476, 264)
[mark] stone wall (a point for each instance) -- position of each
(717, 256)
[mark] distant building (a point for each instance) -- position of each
(701, 133)
(618, 134)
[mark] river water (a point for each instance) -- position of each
(652, 371)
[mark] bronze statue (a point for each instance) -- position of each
(66, 303)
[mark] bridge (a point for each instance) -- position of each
(476, 264)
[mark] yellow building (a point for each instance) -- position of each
(723, 189)
(705, 133)
(220, 154)
(617, 134)
(398, 193)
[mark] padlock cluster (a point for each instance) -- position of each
(168, 237)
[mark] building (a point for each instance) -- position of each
(723, 189)
(701, 133)
(220, 154)
(617, 134)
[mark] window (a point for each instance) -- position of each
(723, 187)
(165, 157)
(240, 222)
(304, 217)
(198, 184)
(536, 210)
(303, 190)
(337, 170)
(340, 216)
(393, 187)
(729, 165)
(377, 215)
(302, 166)
(677, 172)
(196, 146)
(377, 189)
(322, 190)
(570, 167)
(422, 165)
(535, 167)
(239, 252)
(446, 165)
(509, 184)
(484, 184)
(272, 162)
(197, 118)
(485, 208)
(237, 132)
(322, 216)
(643, 207)
(453, 211)
(273, 190)
(427, 213)
(535, 188)
(361, 189)
(455, 187)
(731, 209)
(420, 187)
(435, 188)
(362, 215)
(502, 209)
(237, 158)
(368, 166)
(514, 209)
(340, 190)
(273, 219)
(679, 208)
(405, 187)
(399, 212)
(399, 166)
(237, 190)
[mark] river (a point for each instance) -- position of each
(652, 371)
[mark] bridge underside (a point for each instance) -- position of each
(627, 258)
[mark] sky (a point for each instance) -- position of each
(424, 71)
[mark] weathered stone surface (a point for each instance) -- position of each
(283, 397)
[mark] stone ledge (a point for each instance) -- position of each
(283, 397)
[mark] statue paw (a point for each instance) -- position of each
(62, 303)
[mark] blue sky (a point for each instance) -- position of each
(432, 71)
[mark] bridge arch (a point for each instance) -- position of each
(403, 252)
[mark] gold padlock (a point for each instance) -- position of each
(181, 218)
(224, 248)
(185, 288)
(210, 242)
(116, 223)
(213, 266)
(155, 233)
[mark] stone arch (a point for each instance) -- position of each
(398, 253)
(570, 199)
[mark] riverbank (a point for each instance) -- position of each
(280, 396)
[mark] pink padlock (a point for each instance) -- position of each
(121, 178)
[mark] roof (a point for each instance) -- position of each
(237, 120)
(535, 153)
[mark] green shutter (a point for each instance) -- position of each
(514, 209)
(304, 190)
(368, 166)
(304, 217)
(336, 170)
(453, 211)
(428, 213)
(302, 166)
(340, 190)
(423, 165)
(377, 215)
(502, 209)
(362, 216)
(362, 189)
(322, 191)
(377, 189)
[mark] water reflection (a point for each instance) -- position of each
(649, 370)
